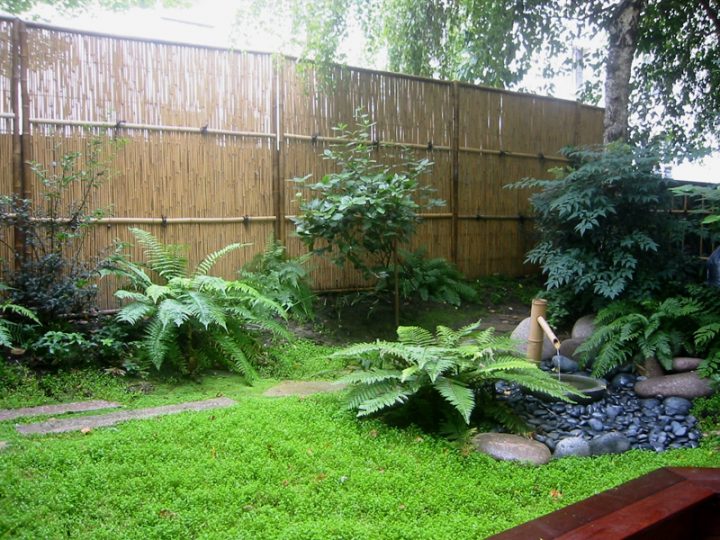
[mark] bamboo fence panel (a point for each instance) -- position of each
(213, 137)
(6, 128)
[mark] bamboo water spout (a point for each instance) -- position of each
(538, 327)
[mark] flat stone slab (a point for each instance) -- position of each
(303, 388)
(507, 447)
(61, 408)
(687, 385)
(102, 420)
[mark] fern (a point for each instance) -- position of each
(195, 320)
(6, 327)
(456, 365)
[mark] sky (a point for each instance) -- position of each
(212, 22)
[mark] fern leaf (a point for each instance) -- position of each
(163, 259)
(237, 358)
(414, 335)
(204, 308)
(371, 376)
(172, 311)
(458, 395)
(208, 262)
(156, 341)
(133, 313)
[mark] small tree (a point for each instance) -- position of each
(362, 213)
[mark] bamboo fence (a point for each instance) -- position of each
(214, 135)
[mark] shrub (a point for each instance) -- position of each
(8, 327)
(50, 276)
(362, 213)
(605, 228)
(460, 366)
(195, 320)
(436, 279)
(281, 278)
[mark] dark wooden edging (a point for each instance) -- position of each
(665, 504)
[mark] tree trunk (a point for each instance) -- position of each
(622, 42)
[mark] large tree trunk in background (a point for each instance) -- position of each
(622, 33)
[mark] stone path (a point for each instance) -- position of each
(303, 388)
(92, 422)
(82, 406)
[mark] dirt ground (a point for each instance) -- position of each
(350, 318)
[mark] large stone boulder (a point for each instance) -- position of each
(583, 328)
(681, 364)
(676, 405)
(521, 335)
(507, 447)
(571, 446)
(686, 385)
(609, 443)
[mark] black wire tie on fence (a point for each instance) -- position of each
(430, 145)
(163, 221)
(314, 138)
(204, 129)
(246, 220)
(541, 156)
(119, 124)
(376, 143)
(502, 153)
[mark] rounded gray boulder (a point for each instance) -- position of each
(583, 328)
(571, 446)
(506, 447)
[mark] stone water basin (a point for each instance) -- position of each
(593, 389)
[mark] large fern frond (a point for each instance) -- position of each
(208, 262)
(162, 258)
(457, 394)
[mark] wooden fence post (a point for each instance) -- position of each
(455, 172)
(19, 99)
(278, 152)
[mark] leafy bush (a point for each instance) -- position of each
(361, 213)
(281, 278)
(49, 276)
(633, 331)
(195, 320)
(605, 228)
(458, 365)
(436, 280)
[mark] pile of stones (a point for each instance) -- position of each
(649, 412)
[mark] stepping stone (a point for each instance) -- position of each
(506, 447)
(4, 445)
(687, 385)
(82, 406)
(303, 388)
(92, 422)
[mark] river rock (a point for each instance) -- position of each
(571, 446)
(583, 328)
(652, 368)
(681, 364)
(564, 364)
(609, 443)
(521, 334)
(676, 405)
(568, 348)
(687, 385)
(506, 447)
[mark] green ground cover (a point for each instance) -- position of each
(287, 468)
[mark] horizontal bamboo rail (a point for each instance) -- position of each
(149, 127)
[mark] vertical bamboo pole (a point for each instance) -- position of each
(25, 108)
(535, 337)
(455, 172)
(17, 157)
(278, 152)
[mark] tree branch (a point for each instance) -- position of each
(712, 14)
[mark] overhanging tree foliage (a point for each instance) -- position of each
(667, 48)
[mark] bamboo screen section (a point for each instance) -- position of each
(213, 136)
